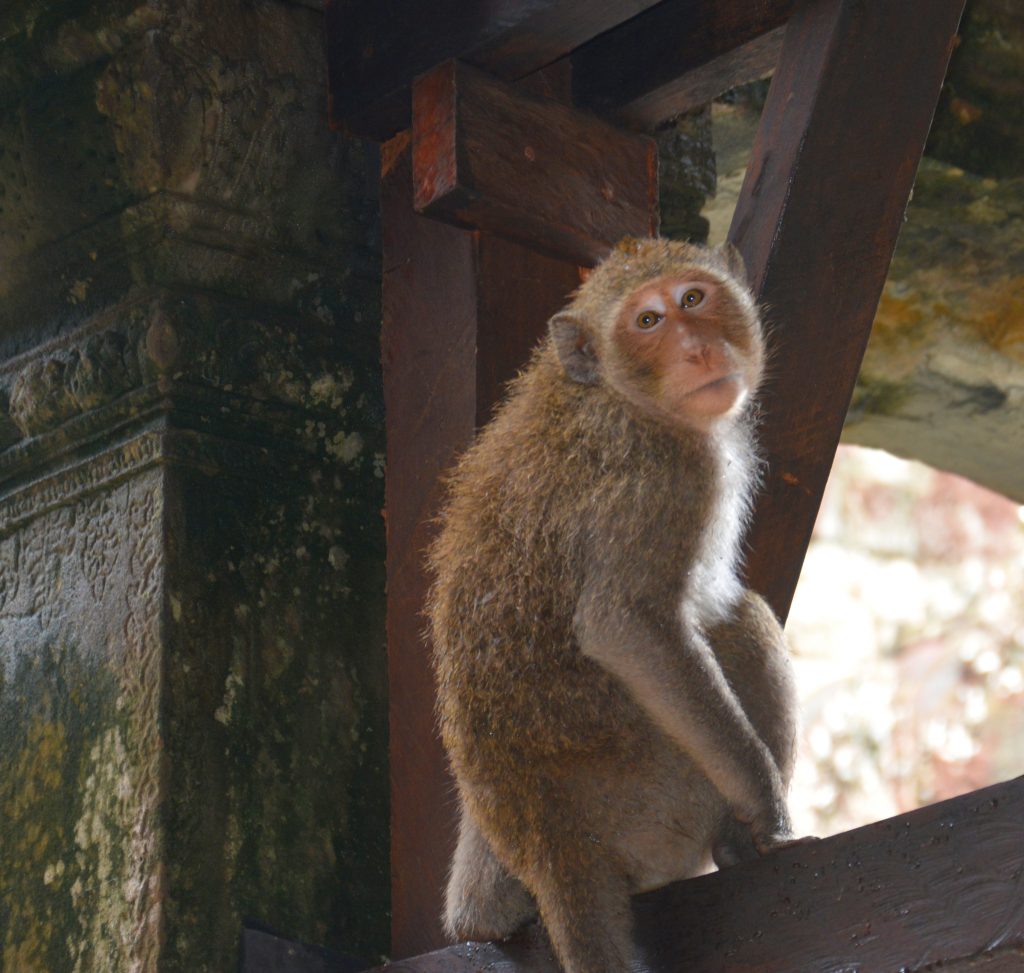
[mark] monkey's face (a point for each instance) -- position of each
(686, 348)
(669, 326)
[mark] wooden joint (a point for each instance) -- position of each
(487, 156)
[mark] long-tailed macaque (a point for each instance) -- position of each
(616, 706)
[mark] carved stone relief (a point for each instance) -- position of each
(155, 344)
(79, 643)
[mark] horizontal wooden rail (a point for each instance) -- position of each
(941, 888)
(375, 50)
(635, 60)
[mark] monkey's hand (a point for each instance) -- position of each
(734, 845)
(774, 832)
(771, 828)
(737, 844)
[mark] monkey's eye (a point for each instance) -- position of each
(692, 298)
(647, 319)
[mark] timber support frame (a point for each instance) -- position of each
(498, 182)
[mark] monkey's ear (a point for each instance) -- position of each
(733, 261)
(575, 352)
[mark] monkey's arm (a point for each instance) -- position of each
(672, 672)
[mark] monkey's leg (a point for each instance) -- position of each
(483, 901)
(751, 650)
(672, 672)
(583, 895)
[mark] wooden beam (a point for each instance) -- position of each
(263, 952)
(833, 164)
(487, 156)
(375, 50)
(940, 888)
(461, 311)
(677, 56)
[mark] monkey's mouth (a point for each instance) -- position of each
(716, 397)
(717, 383)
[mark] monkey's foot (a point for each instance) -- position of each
(734, 845)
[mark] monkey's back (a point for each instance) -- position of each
(514, 689)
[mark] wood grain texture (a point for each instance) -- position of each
(429, 348)
(461, 311)
(519, 290)
(263, 952)
(833, 164)
(677, 56)
(488, 156)
(375, 50)
(940, 888)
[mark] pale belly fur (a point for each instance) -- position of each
(664, 830)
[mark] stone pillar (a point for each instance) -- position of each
(192, 712)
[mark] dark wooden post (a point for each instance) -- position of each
(462, 309)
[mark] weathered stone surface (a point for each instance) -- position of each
(979, 124)
(686, 175)
(192, 713)
(169, 144)
(80, 873)
(943, 376)
(188, 738)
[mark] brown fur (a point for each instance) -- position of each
(606, 727)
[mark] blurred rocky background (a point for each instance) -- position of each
(907, 632)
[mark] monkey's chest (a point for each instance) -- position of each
(711, 588)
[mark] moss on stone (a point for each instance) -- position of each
(66, 789)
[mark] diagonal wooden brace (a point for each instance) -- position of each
(821, 207)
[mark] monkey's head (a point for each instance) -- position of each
(671, 327)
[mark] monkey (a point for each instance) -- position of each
(617, 708)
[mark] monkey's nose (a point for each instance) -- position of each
(698, 355)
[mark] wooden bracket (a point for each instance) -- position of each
(487, 156)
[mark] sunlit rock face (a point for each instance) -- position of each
(943, 376)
